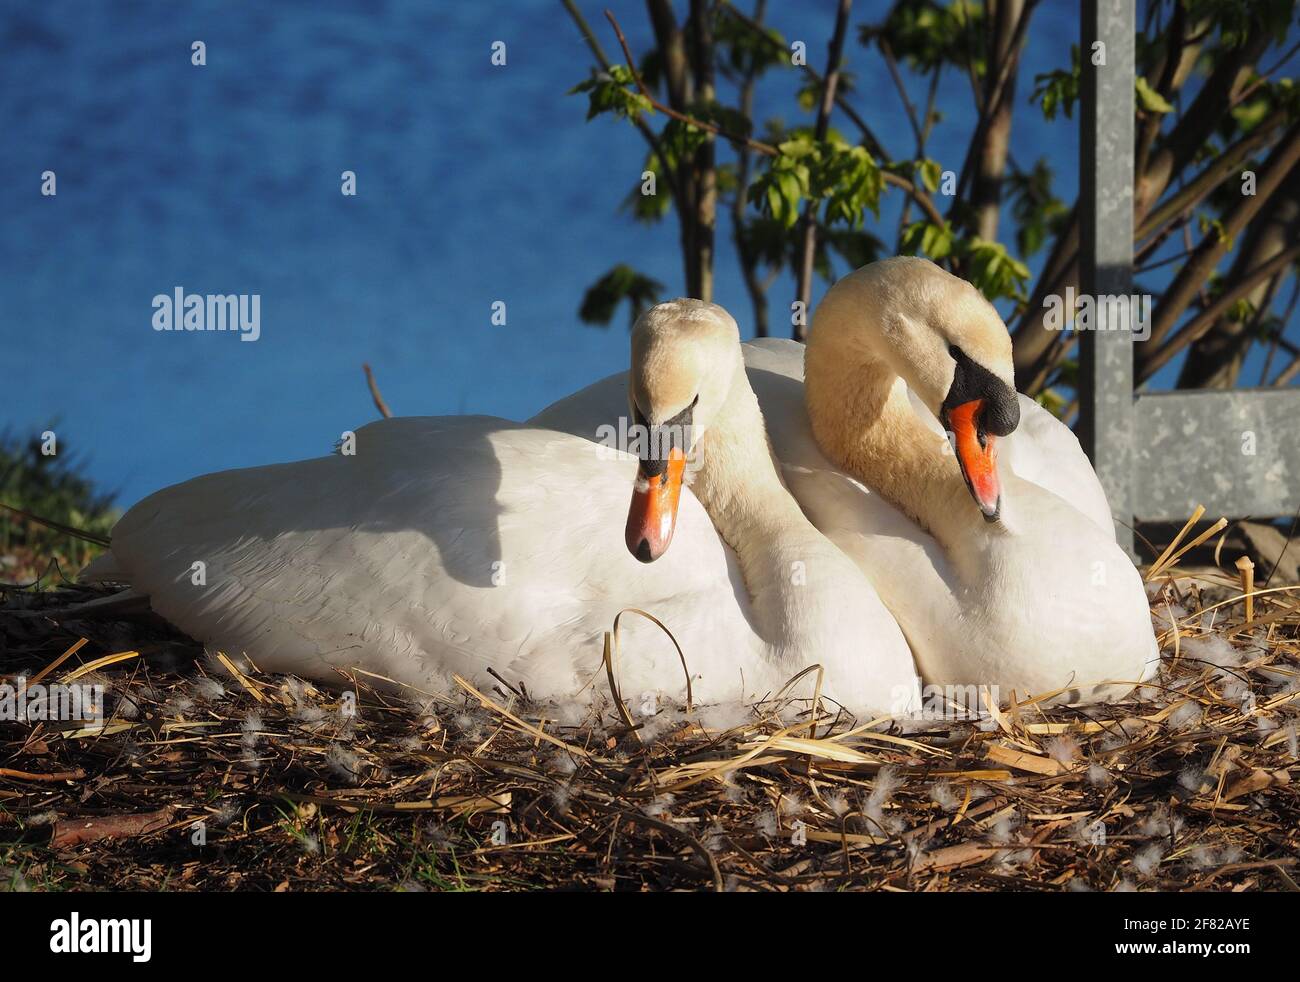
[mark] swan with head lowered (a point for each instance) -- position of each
(973, 511)
(461, 544)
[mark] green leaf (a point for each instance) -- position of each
(994, 271)
(926, 35)
(613, 91)
(743, 50)
(1058, 89)
(859, 248)
(1148, 99)
(1037, 212)
(931, 172)
(844, 179)
(650, 208)
(1052, 401)
(926, 238)
(622, 283)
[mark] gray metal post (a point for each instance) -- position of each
(1106, 254)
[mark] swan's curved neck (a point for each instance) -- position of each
(864, 422)
(738, 482)
(740, 487)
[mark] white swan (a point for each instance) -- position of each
(999, 561)
(1002, 568)
(455, 545)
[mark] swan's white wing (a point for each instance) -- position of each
(904, 564)
(1044, 451)
(775, 369)
(444, 545)
(586, 411)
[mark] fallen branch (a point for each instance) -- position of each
(109, 827)
(76, 775)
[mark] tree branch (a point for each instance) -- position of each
(868, 137)
(1214, 174)
(1192, 276)
(1203, 321)
(744, 253)
(646, 132)
(892, 64)
(808, 248)
(704, 172)
(995, 112)
(1181, 145)
(764, 148)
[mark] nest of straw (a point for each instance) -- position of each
(197, 781)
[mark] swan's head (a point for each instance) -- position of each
(685, 354)
(948, 343)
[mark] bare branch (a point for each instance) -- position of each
(1276, 336)
(994, 125)
(382, 406)
(1197, 272)
(1203, 184)
(1181, 144)
(809, 245)
(1206, 319)
(747, 261)
(868, 137)
(892, 64)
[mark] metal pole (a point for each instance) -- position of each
(1106, 414)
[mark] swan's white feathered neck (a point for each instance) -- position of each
(799, 583)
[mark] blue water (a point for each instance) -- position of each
(476, 184)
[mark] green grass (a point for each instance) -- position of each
(47, 485)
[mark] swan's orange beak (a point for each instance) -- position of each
(653, 514)
(977, 453)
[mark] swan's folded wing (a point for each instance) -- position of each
(586, 412)
(905, 565)
(1044, 451)
(775, 369)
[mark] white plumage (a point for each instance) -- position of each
(452, 545)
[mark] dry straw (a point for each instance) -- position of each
(1186, 785)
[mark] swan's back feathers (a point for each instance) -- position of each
(443, 545)
(1044, 451)
(104, 568)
